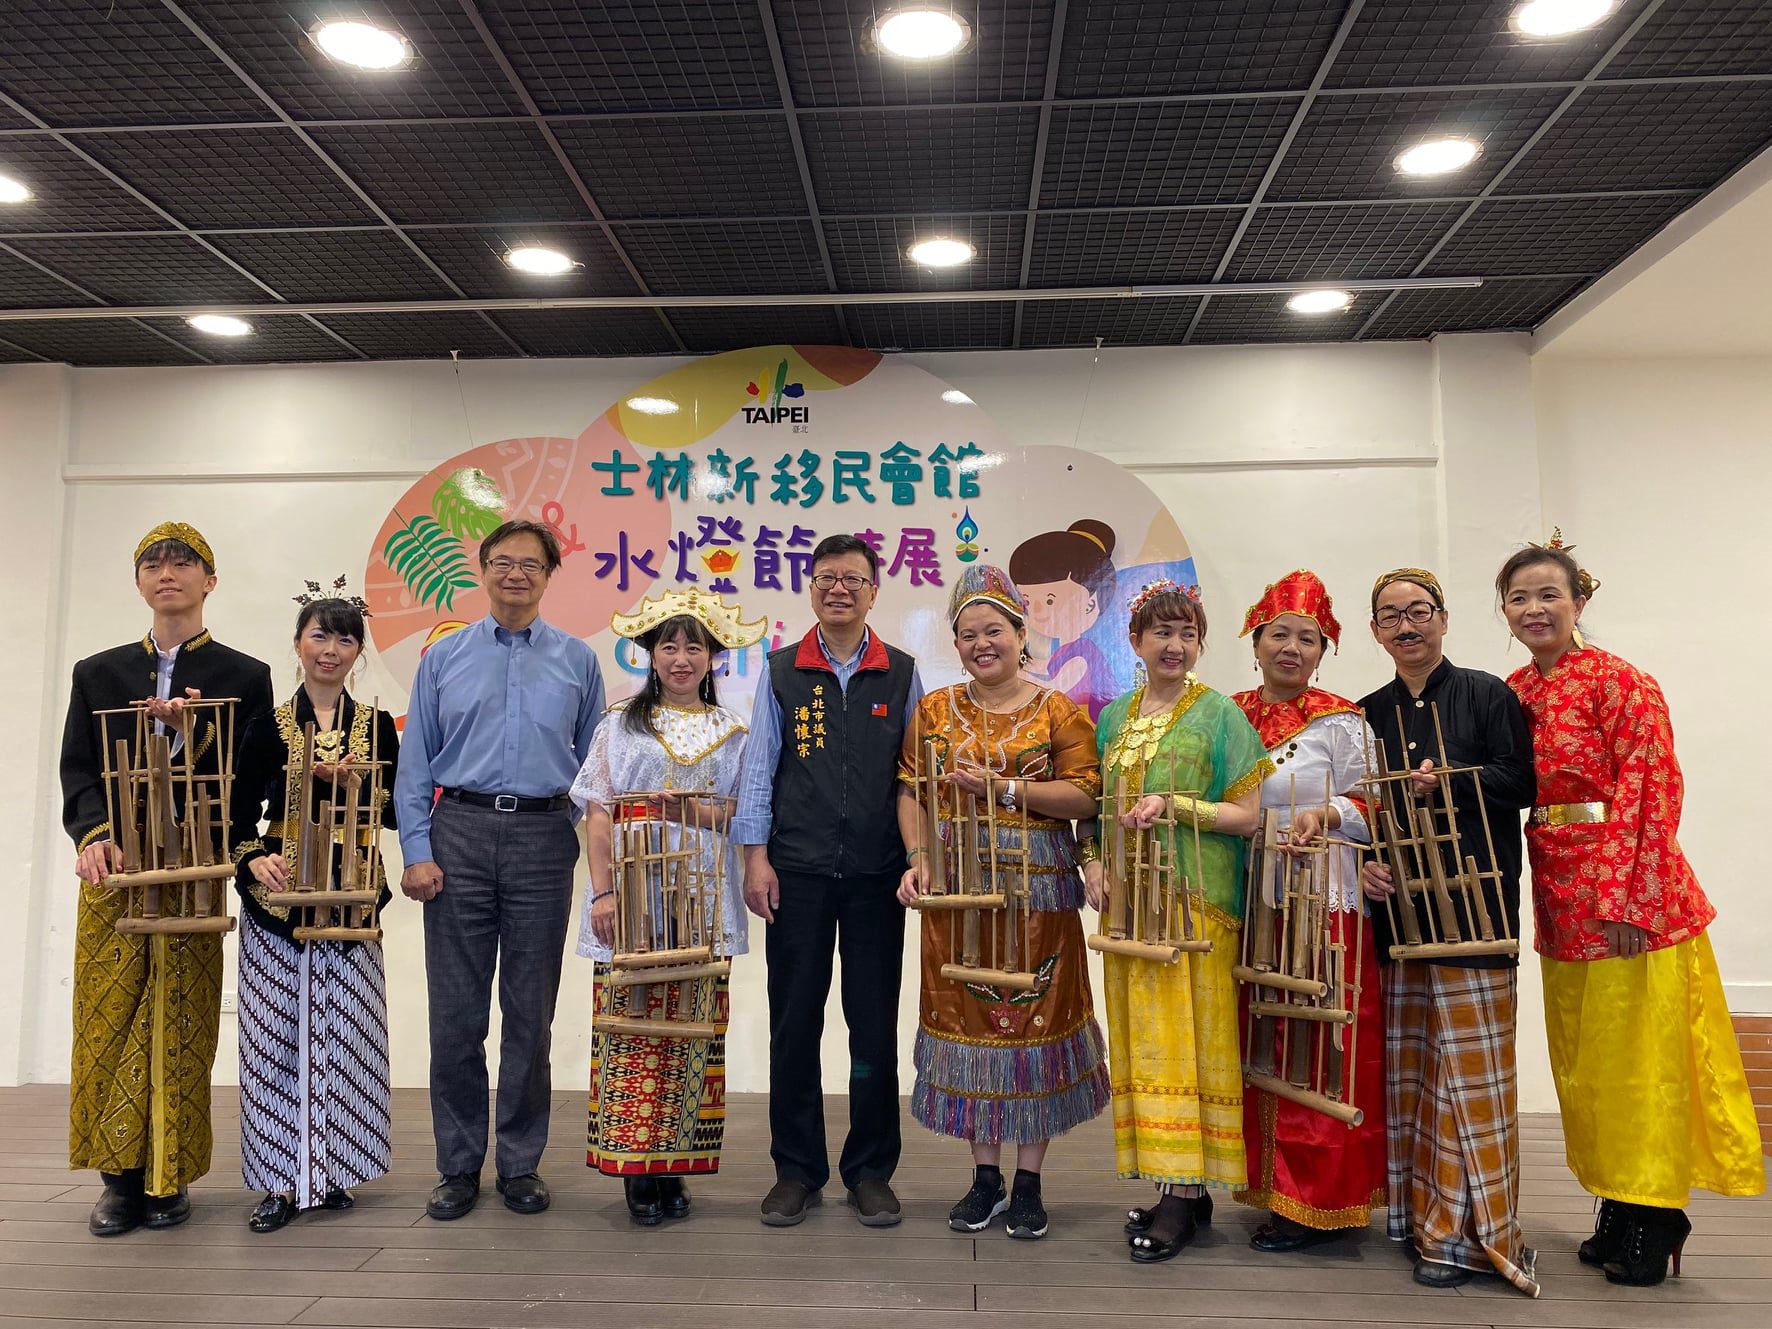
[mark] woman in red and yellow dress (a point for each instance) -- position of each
(1316, 1176)
(1648, 1071)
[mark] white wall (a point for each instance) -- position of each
(1660, 471)
(1346, 459)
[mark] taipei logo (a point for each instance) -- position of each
(769, 393)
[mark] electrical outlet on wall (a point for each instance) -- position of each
(230, 1002)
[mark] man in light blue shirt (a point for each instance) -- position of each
(501, 718)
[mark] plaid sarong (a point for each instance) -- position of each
(1454, 1138)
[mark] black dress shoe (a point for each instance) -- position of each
(1430, 1274)
(453, 1197)
(1165, 1237)
(273, 1212)
(1140, 1220)
(527, 1194)
(644, 1205)
(160, 1211)
(337, 1200)
(1281, 1234)
(120, 1208)
(675, 1194)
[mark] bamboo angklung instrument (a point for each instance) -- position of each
(335, 890)
(170, 820)
(1416, 836)
(1304, 986)
(669, 879)
(980, 876)
(1153, 910)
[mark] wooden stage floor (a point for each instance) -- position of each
(384, 1264)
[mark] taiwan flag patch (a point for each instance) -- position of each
(880, 709)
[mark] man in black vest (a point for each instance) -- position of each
(816, 815)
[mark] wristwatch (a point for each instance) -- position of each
(1007, 797)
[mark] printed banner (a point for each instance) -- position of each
(724, 473)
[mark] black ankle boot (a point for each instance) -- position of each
(122, 1206)
(1654, 1236)
(645, 1204)
(1608, 1238)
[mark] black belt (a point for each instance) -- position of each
(508, 802)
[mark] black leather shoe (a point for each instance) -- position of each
(119, 1209)
(1430, 1274)
(675, 1194)
(787, 1203)
(1170, 1231)
(644, 1205)
(1281, 1234)
(453, 1197)
(160, 1211)
(527, 1194)
(273, 1212)
(1140, 1220)
(338, 1200)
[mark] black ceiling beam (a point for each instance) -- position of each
(99, 301)
(1054, 50)
(539, 121)
(860, 108)
(288, 122)
(785, 89)
(1342, 30)
(1519, 156)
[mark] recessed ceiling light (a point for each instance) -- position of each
(362, 45)
(1552, 18)
(1438, 156)
(539, 262)
(653, 405)
(1318, 302)
(220, 325)
(13, 191)
(921, 32)
(954, 397)
(941, 252)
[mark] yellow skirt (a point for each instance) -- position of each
(1649, 1076)
(1174, 1066)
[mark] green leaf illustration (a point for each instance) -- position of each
(469, 504)
(429, 560)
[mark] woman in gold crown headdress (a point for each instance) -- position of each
(658, 1105)
(315, 1107)
(1188, 753)
(997, 1067)
(1648, 1070)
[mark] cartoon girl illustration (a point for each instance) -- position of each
(1067, 579)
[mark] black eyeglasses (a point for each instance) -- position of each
(851, 582)
(1419, 612)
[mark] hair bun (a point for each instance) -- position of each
(1096, 532)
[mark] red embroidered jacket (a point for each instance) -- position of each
(1601, 734)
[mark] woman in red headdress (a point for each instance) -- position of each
(1316, 1176)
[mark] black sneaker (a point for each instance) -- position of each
(980, 1205)
(1027, 1216)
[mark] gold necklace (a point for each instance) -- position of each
(1141, 735)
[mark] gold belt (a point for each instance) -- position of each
(1569, 814)
(283, 831)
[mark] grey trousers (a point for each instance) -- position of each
(507, 891)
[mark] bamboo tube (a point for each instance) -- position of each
(176, 927)
(1264, 978)
(1162, 953)
(1002, 978)
(1444, 950)
(669, 973)
(1290, 1011)
(1489, 842)
(337, 934)
(155, 877)
(1444, 908)
(1346, 1113)
(676, 955)
(643, 1027)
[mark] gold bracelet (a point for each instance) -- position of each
(1195, 811)
(1088, 851)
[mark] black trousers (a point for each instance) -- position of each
(859, 919)
(507, 895)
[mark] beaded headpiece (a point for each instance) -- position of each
(314, 594)
(706, 608)
(1420, 576)
(983, 582)
(1298, 592)
(184, 533)
(1150, 590)
(1585, 582)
